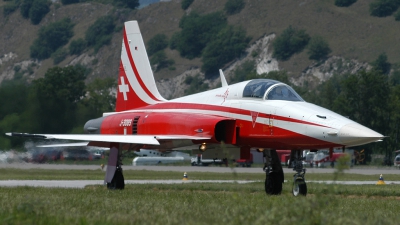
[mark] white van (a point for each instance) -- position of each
(397, 161)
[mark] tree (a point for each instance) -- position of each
(381, 64)
(234, 6)
(397, 16)
(159, 60)
(196, 85)
(100, 33)
(364, 98)
(226, 46)
(318, 48)
(186, 3)
(57, 95)
(25, 7)
(38, 10)
(10, 8)
(245, 71)
(59, 55)
(99, 97)
(157, 43)
(383, 8)
(51, 37)
(67, 2)
(281, 76)
(344, 3)
(132, 4)
(197, 31)
(291, 41)
(77, 46)
(13, 97)
(395, 77)
(10, 122)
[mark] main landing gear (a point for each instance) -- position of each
(117, 181)
(114, 177)
(299, 182)
(274, 173)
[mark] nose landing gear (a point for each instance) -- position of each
(299, 182)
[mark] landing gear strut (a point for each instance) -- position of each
(299, 182)
(114, 177)
(118, 181)
(274, 173)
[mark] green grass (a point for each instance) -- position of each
(195, 203)
(45, 174)
(199, 204)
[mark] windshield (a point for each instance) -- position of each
(283, 92)
(275, 90)
(256, 88)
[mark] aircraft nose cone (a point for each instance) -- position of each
(355, 134)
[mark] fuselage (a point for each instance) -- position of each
(243, 114)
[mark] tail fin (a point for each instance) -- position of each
(136, 84)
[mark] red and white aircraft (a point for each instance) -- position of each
(258, 114)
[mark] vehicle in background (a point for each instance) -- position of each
(284, 156)
(156, 153)
(318, 158)
(199, 161)
(309, 159)
(155, 157)
(322, 158)
(97, 154)
(76, 154)
(245, 162)
(397, 161)
(42, 155)
(141, 161)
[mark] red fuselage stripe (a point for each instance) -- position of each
(128, 51)
(193, 106)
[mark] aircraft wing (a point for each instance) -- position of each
(130, 139)
(137, 139)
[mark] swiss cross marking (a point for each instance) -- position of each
(124, 88)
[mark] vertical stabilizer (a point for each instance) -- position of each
(223, 80)
(136, 84)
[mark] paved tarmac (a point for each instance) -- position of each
(358, 170)
(83, 183)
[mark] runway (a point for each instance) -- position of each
(364, 171)
(83, 183)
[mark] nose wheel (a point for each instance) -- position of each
(299, 187)
(299, 182)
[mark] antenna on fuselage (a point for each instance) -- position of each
(223, 80)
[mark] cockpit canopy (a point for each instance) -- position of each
(270, 90)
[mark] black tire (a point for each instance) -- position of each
(273, 184)
(118, 182)
(299, 187)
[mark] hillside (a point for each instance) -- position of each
(351, 33)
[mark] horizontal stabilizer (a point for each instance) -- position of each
(77, 144)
